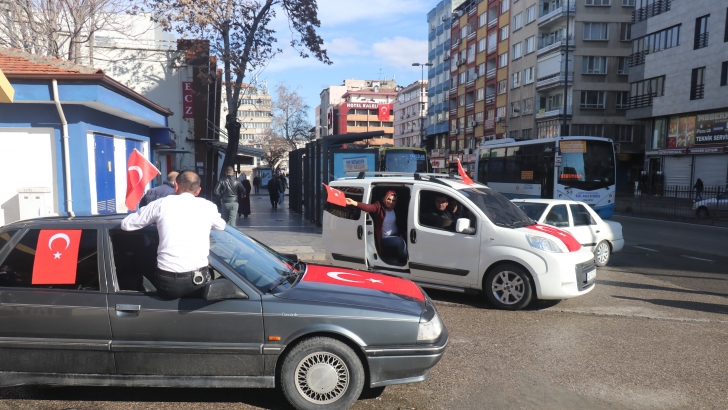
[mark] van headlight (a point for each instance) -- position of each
(430, 331)
(543, 244)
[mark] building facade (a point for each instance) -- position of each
(366, 110)
(333, 96)
(410, 108)
(678, 79)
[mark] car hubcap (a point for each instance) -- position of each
(508, 288)
(603, 253)
(322, 378)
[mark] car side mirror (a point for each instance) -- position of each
(221, 289)
(462, 225)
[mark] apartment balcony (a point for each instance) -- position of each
(493, 23)
(470, 83)
(454, 111)
(469, 106)
(454, 131)
(468, 130)
(489, 99)
(651, 10)
(542, 114)
(556, 14)
(455, 23)
(490, 74)
(455, 45)
(545, 47)
(489, 124)
(553, 80)
(473, 10)
(472, 35)
(453, 91)
(492, 50)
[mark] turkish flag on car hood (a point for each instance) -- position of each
(571, 243)
(56, 257)
(362, 279)
(139, 173)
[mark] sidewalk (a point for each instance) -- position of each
(283, 230)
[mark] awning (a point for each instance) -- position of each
(242, 149)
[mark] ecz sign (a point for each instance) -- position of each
(187, 100)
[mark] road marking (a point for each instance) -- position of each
(700, 259)
(672, 222)
(647, 249)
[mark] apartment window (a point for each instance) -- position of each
(527, 133)
(500, 112)
(482, 44)
(531, 14)
(517, 21)
(515, 108)
(481, 70)
(593, 99)
(724, 73)
(597, 2)
(503, 60)
(530, 44)
(654, 42)
(471, 53)
(463, 77)
(642, 92)
(516, 80)
(628, 3)
(483, 19)
(517, 51)
(513, 134)
(461, 100)
(528, 75)
(502, 87)
(492, 41)
(505, 6)
(701, 32)
(623, 65)
(528, 106)
(480, 94)
(594, 65)
(625, 31)
(697, 84)
(590, 130)
(596, 31)
(479, 117)
(622, 100)
(623, 133)
(504, 33)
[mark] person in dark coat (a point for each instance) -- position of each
(274, 190)
(167, 188)
(256, 184)
(698, 190)
(244, 208)
(388, 229)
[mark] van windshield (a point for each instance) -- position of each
(498, 208)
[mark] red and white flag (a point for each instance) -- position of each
(56, 257)
(565, 237)
(463, 175)
(362, 279)
(335, 196)
(383, 112)
(139, 173)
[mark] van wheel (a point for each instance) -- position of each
(321, 373)
(508, 287)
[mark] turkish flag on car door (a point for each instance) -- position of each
(335, 196)
(56, 257)
(139, 173)
(383, 112)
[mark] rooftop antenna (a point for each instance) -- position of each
(380, 74)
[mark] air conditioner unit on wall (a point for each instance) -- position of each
(474, 123)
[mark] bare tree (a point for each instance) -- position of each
(276, 150)
(241, 37)
(290, 119)
(57, 28)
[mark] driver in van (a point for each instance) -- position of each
(439, 216)
(387, 229)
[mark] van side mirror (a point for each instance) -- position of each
(463, 226)
(221, 289)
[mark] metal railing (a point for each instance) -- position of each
(676, 201)
(701, 40)
(651, 10)
(697, 92)
(490, 99)
(640, 101)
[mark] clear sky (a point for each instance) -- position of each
(366, 39)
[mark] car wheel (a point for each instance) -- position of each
(702, 212)
(602, 253)
(321, 373)
(508, 287)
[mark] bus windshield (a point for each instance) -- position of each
(586, 164)
(498, 208)
(405, 160)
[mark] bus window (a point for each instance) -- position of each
(405, 160)
(513, 165)
(497, 164)
(588, 166)
(483, 166)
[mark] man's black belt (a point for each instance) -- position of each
(181, 274)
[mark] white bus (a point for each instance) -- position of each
(577, 168)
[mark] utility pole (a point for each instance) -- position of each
(423, 91)
(564, 125)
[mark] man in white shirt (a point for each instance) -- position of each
(184, 223)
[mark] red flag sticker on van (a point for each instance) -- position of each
(571, 243)
(362, 279)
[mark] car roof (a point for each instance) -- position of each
(546, 201)
(434, 179)
(107, 219)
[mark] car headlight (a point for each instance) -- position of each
(543, 244)
(430, 331)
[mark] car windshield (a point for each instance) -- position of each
(533, 210)
(258, 264)
(496, 207)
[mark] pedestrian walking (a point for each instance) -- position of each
(184, 222)
(244, 208)
(274, 190)
(229, 189)
(698, 190)
(284, 185)
(256, 184)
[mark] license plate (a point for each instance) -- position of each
(591, 275)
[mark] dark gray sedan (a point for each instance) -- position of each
(78, 307)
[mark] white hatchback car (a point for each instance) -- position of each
(599, 236)
(493, 247)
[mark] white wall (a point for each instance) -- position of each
(27, 159)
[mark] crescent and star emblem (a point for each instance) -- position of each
(138, 171)
(63, 236)
(337, 276)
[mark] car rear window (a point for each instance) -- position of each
(534, 211)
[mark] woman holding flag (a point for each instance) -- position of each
(387, 229)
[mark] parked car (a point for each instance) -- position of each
(78, 307)
(494, 247)
(599, 236)
(712, 207)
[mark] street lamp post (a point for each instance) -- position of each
(422, 98)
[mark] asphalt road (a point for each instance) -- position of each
(652, 335)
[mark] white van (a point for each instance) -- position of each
(505, 254)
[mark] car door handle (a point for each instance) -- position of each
(359, 231)
(413, 236)
(128, 308)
